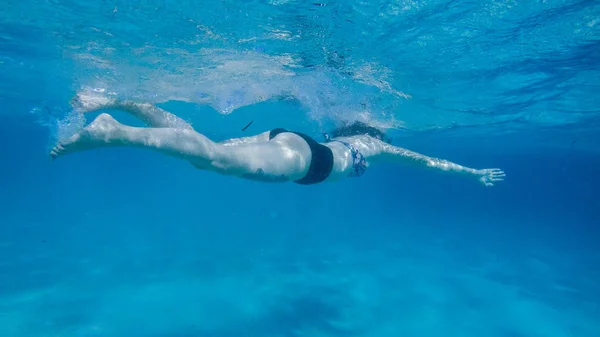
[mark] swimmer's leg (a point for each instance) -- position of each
(260, 138)
(276, 161)
(148, 113)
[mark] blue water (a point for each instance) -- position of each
(125, 242)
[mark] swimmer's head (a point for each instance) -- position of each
(359, 128)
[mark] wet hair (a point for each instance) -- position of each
(359, 128)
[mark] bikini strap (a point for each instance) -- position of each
(359, 162)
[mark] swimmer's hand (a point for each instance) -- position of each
(489, 176)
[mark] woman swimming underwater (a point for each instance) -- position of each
(277, 155)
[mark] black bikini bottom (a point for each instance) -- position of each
(321, 163)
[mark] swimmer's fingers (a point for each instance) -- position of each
(495, 171)
(489, 176)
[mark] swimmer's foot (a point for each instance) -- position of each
(89, 102)
(99, 133)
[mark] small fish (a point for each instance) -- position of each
(245, 127)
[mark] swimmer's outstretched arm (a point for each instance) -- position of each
(397, 154)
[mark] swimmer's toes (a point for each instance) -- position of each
(68, 145)
(56, 151)
(92, 136)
